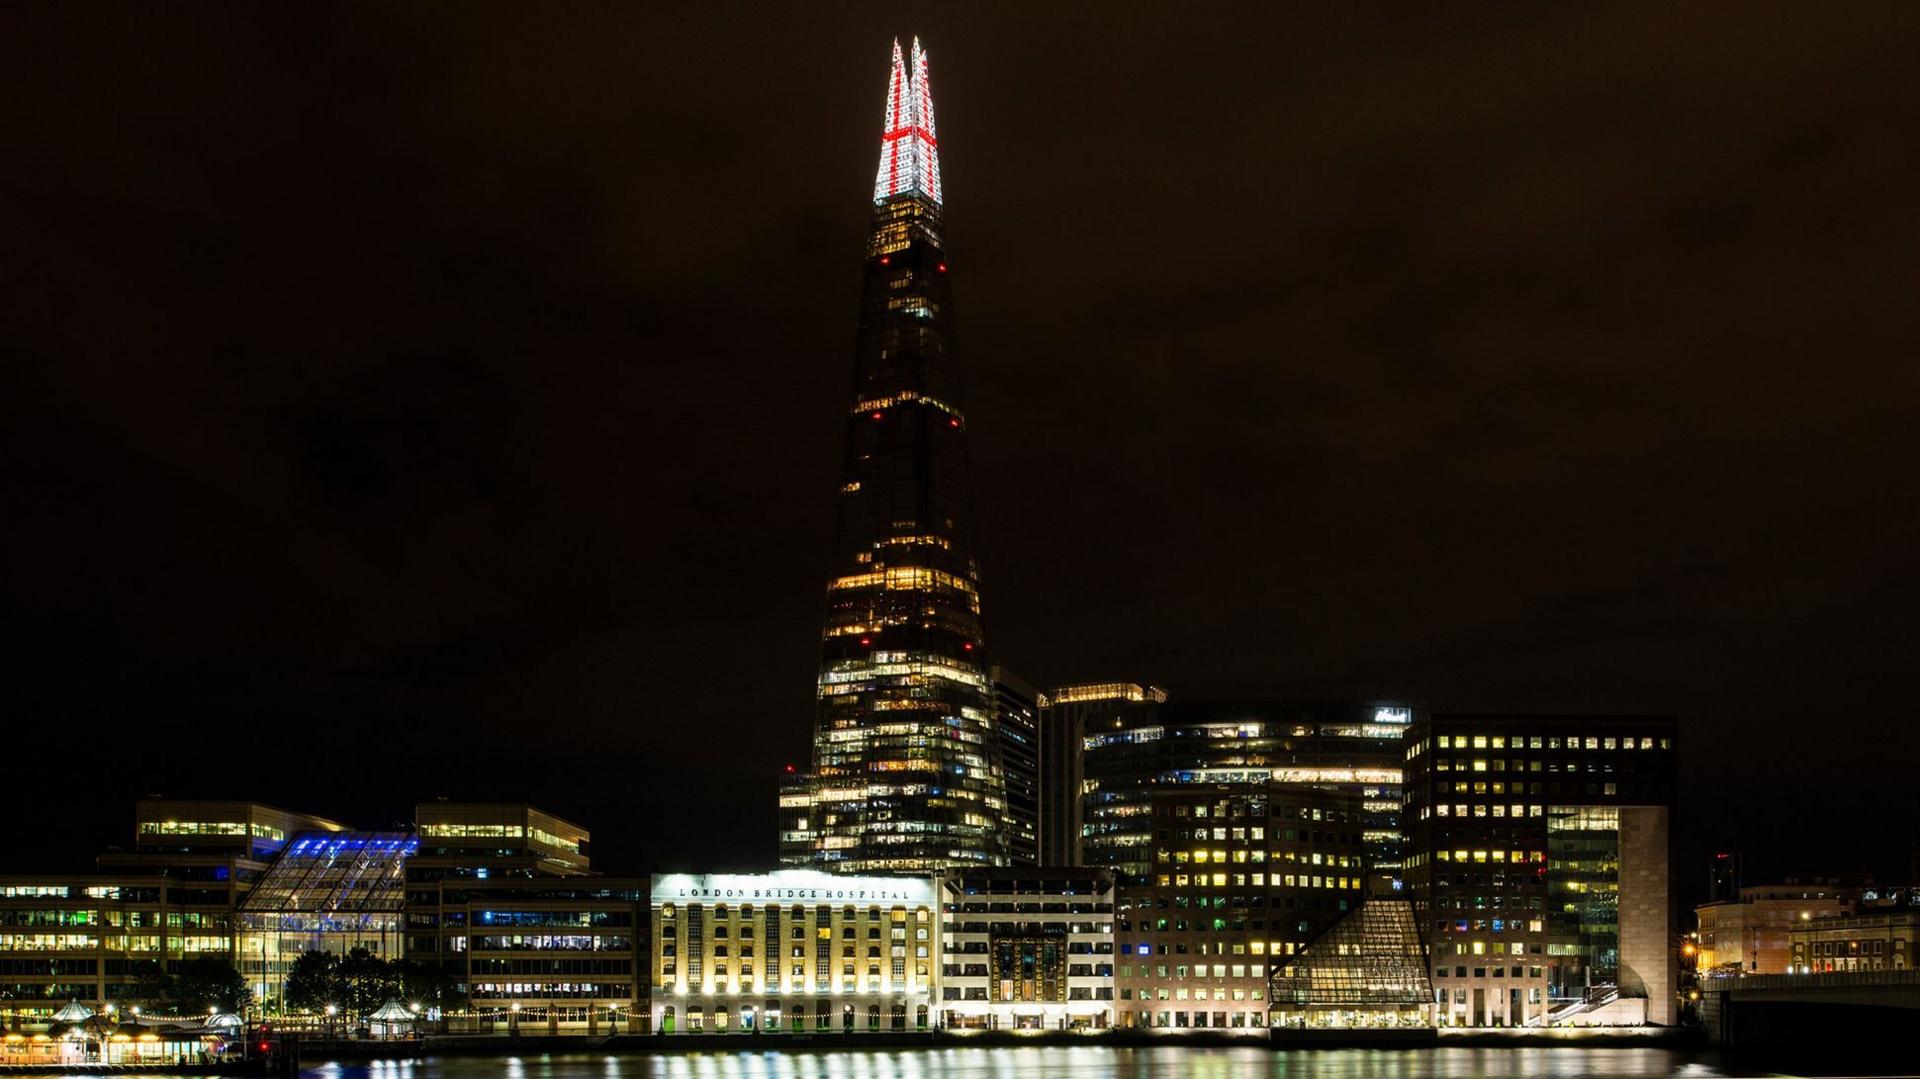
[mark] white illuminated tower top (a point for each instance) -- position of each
(909, 148)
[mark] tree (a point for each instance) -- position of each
(210, 982)
(153, 987)
(313, 982)
(367, 981)
(429, 985)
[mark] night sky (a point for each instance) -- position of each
(411, 400)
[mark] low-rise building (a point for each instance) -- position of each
(1027, 949)
(1749, 934)
(542, 955)
(794, 950)
(1881, 938)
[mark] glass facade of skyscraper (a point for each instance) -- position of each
(905, 760)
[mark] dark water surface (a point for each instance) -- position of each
(1075, 1062)
(1091, 1062)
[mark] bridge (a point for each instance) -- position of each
(1768, 1009)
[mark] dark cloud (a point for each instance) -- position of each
(415, 405)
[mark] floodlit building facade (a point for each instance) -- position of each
(1243, 876)
(906, 765)
(1027, 949)
(795, 950)
(1540, 863)
(1750, 934)
(1883, 934)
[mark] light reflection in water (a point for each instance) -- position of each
(1052, 1062)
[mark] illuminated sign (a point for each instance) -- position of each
(791, 884)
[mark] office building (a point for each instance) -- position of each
(1016, 726)
(1243, 876)
(1066, 714)
(1349, 745)
(560, 955)
(1539, 857)
(1749, 933)
(168, 900)
(795, 950)
(503, 899)
(1027, 949)
(905, 756)
(489, 840)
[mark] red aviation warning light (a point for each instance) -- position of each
(909, 146)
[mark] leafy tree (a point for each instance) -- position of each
(210, 982)
(153, 987)
(367, 981)
(429, 985)
(313, 982)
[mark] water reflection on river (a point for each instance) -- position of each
(1168, 1062)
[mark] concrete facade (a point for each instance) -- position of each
(1648, 962)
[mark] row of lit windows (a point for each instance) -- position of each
(1200, 856)
(1180, 1020)
(1491, 925)
(1197, 993)
(200, 827)
(1461, 810)
(1289, 880)
(1496, 741)
(1516, 856)
(1199, 970)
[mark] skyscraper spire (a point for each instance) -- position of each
(909, 149)
(907, 770)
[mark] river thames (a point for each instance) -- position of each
(1080, 1062)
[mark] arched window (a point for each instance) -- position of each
(873, 1017)
(920, 1017)
(666, 1020)
(720, 911)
